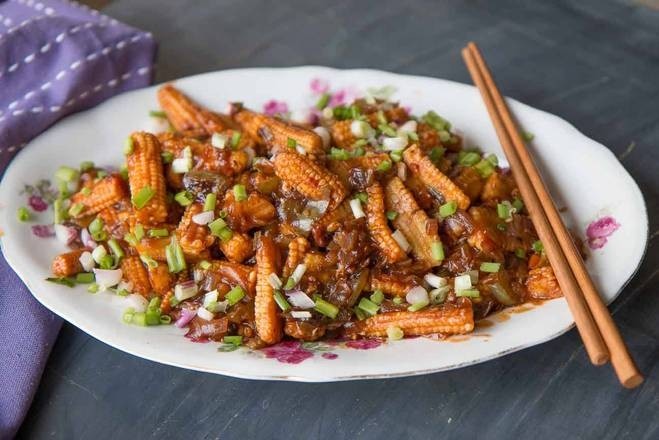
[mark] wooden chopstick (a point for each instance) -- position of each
(527, 176)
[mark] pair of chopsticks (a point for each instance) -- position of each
(598, 331)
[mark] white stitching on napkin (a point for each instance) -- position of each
(37, 6)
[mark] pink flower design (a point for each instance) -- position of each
(319, 86)
(598, 232)
(330, 356)
(37, 203)
(43, 231)
(274, 107)
(364, 344)
(288, 352)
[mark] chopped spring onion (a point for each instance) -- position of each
(397, 143)
(502, 295)
(23, 214)
(384, 166)
(235, 340)
(300, 314)
(394, 333)
(520, 253)
(160, 232)
(323, 101)
(234, 295)
(362, 196)
(401, 240)
(471, 293)
(143, 196)
(217, 307)
(219, 140)
(361, 129)
(469, 158)
(154, 304)
(204, 264)
(518, 204)
(326, 308)
(444, 136)
(377, 297)
(339, 154)
(240, 192)
(484, 168)
(115, 247)
(356, 207)
(205, 314)
(438, 295)
(359, 313)
(435, 121)
(95, 226)
(281, 301)
(368, 306)
(462, 282)
(291, 143)
(64, 281)
(86, 191)
(165, 319)
(382, 119)
(437, 250)
(157, 114)
(139, 318)
(185, 290)
(413, 136)
(490, 267)
(436, 153)
(86, 165)
(235, 139)
(210, 202)
(493, 159)
(59, 211)
(85, 278)
(387, 130)
(128, 315)
(396, 156)
(299, 271)
(503, 210)
(210, 297)
(528, 136)
(203, 218)
(150, 262)
(448, 209)
(397, 300)
(98, 253)
(434, 280)
(128, 146)
(167, 157)
(538, 247)
(217, 226)
(290, 283)
(175, 257)
(225, 234)
(67, 174)
(274, 281)
(106, 262)
(418, 306)
(391, 215)
(183, 198)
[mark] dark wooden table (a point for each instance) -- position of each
(595, 63)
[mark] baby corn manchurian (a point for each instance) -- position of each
(448, 319)
(277, 134)
(309, 179)
(267, 319)
(421, 165)
(248, 229)
(146, 179)
(378, 227)
(136, 274)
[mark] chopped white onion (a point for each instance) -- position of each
(205, 314)
(181, 166)
(203, 218)
(356, 206)
(301, 116)
(434, 280)
(401, 171)
(98, 253)
(328, 113)
(218, 307)
(125, 285)
(137, 302)
(408, 127)
(299, 271)
(185, 290)
(210, 297)
(219, 140)
(401, 240)
(87, 261)
(65, 234)
(298, 314)
(274, 281)
(361, 129)
(462, 282)
(324, 135)
(473, 274)
(438, 295)
(300, 299)
(86, 239)
(318, 205)
(417, 295)
(106, 278)
(304, 224)
(156, 124)
(300, 149)
(394, 143)
(251, 154)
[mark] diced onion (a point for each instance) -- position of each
(401, 240)
(210, 297)
(408, 127)
(125, 285)
(86, 239)
(185, 290)
(219, 140)
(107, 278)
(274, 281)
(251, 154)
(98, 253)
(434, 280)
(328, 113)
(298, 314)
(299, 271)
(185, 318)
(324, 135)
(394, 143)
(401, 171)
(361, 129)
(356, 207)
(462, 282)
(65, 234)
(205, 314)
(137, 302)
(203, 218)
(181, 166)
(87, 261)
(417, 295)
(304, 224)
(301, 116)
(300, 149)
(438, 295)
(318, 205)
(300, 299)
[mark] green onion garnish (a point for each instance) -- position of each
(100, 236)
(204, 264)
(382, 119)
(139, 319)
(448, 209)
(413, 135)
(175, 257)
(387, 130)
(436, 153)
(157, 114)
(396, 156)
(235, 340)
(385, 165)
(150, 262)
(116, 248)
(528, 136)
(444, 136)
(493, 159)
(216, 226)
(391, 215)
(394, 333)
(323, 101)
(471, 293)
(225, 234)
(86, 165)
(76, 209)
(85, 278)
(183, 198)
(154, 303)
(128, 146)
(290, 283)
(106, 262)
(368, 306)
(209, 202)
(484, 168)
(418, 306)
(66, 174)
(128, 315)
(538, 247)
(234, 295)
(160, 232)
(123, 172)
(470, 158)
(291, 143)
(95, 226)
(326, 308)
(86, 191)
(23, 214)
(165, 319)
(502, 226)
(58, 209)
(281, 301)
(503, 210)
(139, 232)
(437, 250)
(143, 196)
(520, 253)
(235, 139)
(362, 197)
(92, 288)
(377, 297)
(239, 192)
(518, 204)
(64, 281)
(435, 121)
(167, 157)
(101, 174)
(490, 267)
(359, 313)
(397, 300)
(130, 239)
(339, 154)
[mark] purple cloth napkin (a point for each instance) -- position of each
(56, 58)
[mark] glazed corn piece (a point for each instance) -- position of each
(342, 135)
(228, 273)
(297, 249)
(146, 179)
(378, 227)
(470, 182)
(330, 222)
(184, 114)
(393, 285)
(276, 133)
(421, 165)
(116, 219)
(161, 279)
(309, 179)
(428, 137)
(153, 247)
(317, 262)
(238, 248)
(542, 284)
(447, 319)
(166, 302)
(193, 238)
(498, 187)
(266, 313)
(67, 264)
(248, 214)
(136, 274)
(104, 193)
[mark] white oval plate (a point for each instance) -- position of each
(583, 175)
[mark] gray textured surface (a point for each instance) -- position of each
(594, 63)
